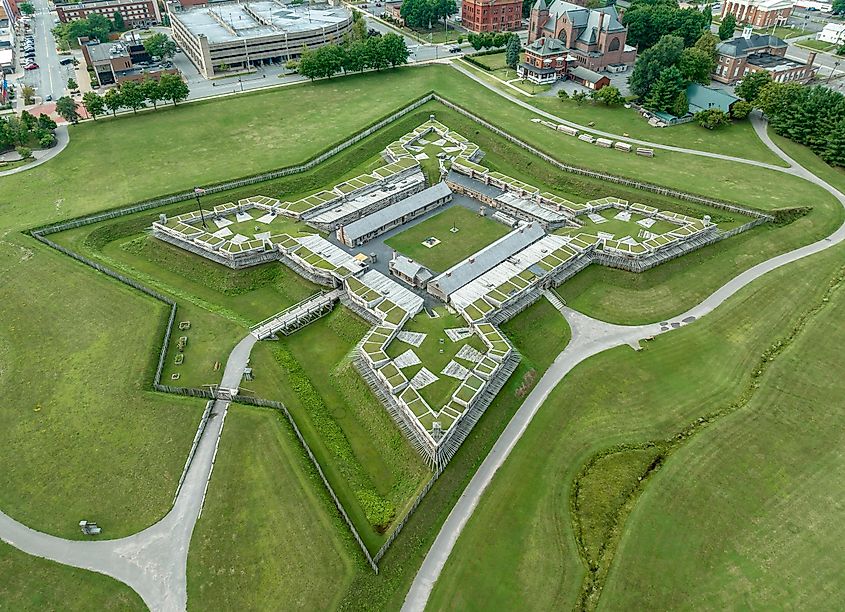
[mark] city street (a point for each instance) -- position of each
(50, 77)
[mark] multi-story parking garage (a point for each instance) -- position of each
(237, 35)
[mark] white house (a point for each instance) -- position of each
(833, 33)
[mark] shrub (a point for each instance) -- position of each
(24, 152)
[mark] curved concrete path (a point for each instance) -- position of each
(154, 561)
(585, 128)
(589, 337)
(62, 140)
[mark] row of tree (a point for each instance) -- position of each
(26, 131)
(649, 20)
(421, 14)
(490, 40)
(374, 52)
(134, 95)
(812, 116)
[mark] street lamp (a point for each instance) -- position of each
(198, 191)
(833, 70)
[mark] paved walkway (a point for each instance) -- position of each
(154, 561)
(44, 155)
(584, 128)
(589, 337)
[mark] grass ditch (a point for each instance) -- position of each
(610, 483)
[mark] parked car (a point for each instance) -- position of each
(455, 50)
(48, 98)
(66, 61)
(32, 66)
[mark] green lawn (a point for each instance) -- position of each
(81, 436)
(474, 233)
(752, 499)
(739, 139)
(32, 584)
(268, 532)
(81, 432)
(620, 397)
(369, 463)
(783, 32)
(816, 45)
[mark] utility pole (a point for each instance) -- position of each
(198, 191)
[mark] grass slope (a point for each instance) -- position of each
(33, 584)
(615, 397)
(747, 515)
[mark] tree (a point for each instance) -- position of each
(113, 101)
(355, 59)
(152, 91)
(707, 42)
(696, 65)
(173, 88)
(66, 107)
(741, 109)
(375, 53)
(664, 95)
(476, 41)
(727, 27)
(609, 95)
(500, 39)
(132, 95)
(359, 26)
(93, 103)
(751, 85)
(419, 13)
(160, 45)
(512, 52)
(45, 122)
(834, 152)
(681, 105)
(838, 6)
(707, 11)
(578, 97)
(309, 64)
(26, 8)
(71, 84)
(117, 19)
(711, 118)
(98, 27)
(649, 20)
(653, 62)
(28, 93)
(561, 93)
(394, 48)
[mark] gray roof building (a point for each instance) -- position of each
(381, 220)
(742, 46)
(487, 258)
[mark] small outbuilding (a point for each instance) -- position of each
(588, 78)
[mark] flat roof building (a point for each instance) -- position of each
(134, 12)
(241, 35)
(380, 221)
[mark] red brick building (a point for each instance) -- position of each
(546, 61)
(491, 15)
(758, 13)
(595, 38)
(134, 12)
(755, 52)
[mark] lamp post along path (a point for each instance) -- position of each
(198, 191)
